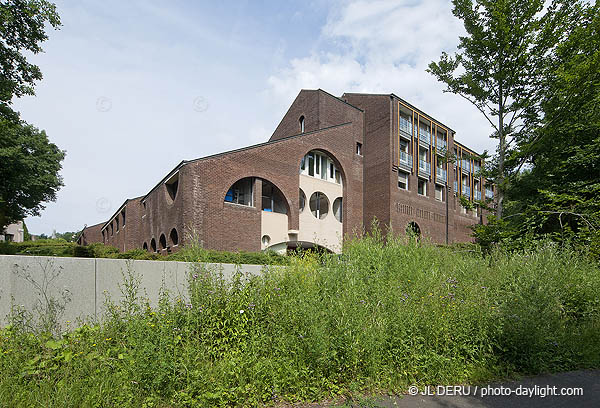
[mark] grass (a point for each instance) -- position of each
(379, 318)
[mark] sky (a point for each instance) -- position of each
(131, 89)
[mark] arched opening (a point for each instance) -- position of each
(174, 237)
(319, 165)
(319, 205)
(337, 209)
(145, 246)
(123, 217)
(301, 121)
(272, 198)
(162, 241)
(302, 200)
(172, 185)
(241, 192)
(153, 245)
(413, 230)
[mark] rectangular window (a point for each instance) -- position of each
(318, 166)
(359, 148)
(404, 146)
(403, 180)
(303, 163)
(439, 193)
(311, 164)
(331, 170)
(324, 168)
(422, 187)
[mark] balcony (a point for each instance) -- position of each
(477, 195)
(424, 168)
(489, 193)
(476, 169)
(455, 187)
(466, 191)
(424, 137)
(405, 128)
(406, 161)
(465, 165)
(441, 145)
(440, 174)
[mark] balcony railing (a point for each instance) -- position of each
(478, 195)
(441, 145)
(424, 137)
(406, 160)
(455, 187)
(476, 169)
(489, 193)
(424, 168)
(466, 191)
(465, 165)
(440, 174)
(405, 125)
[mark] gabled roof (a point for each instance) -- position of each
(118, 211)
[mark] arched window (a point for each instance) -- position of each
(301, 120)
(153, 245)
(174, 237)
(145, 246)
(241, 192)
(272, 198)
(123, 217)
(413, 230)
(337, 209)
(319, 205)
(319, 165)
(162, 241)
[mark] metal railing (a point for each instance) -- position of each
(405, 125)
(441, 145)
(424, 136)
(455, 186)
(465, 165)
(440, 174)
(424, 168)
(478, 195)
(466, 191)
(406, 159)
(476, 168)
(489, 193)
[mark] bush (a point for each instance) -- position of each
(382, 317)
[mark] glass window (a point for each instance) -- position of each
(337, 209)
(319, 205)
(403, 180)
(422, 187)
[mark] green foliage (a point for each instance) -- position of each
(558, 196)
(501, 64)
(386, 315)
(23, 29)
(26, 234)
(41, 247)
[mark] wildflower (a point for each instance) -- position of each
(241, 311)
(94, 345)
(251, 305)
(195, 276)
(188, 305)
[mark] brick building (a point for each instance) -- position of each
(330, 167)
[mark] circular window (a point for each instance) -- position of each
(337, 209)
(266, 240)
(319, 205)
(302, 200)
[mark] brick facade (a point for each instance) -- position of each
(189, 203)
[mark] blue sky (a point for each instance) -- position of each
(132, 88)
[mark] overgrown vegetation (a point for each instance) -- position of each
(381, 317)
(189, 253)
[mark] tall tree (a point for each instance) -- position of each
(22, 29)
(500, 65)
(29, 163)
(560, 192)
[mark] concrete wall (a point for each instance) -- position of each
(89, 282)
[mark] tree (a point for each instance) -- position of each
(22, 29)
(500, 65)
(29, 165)
(560, 193)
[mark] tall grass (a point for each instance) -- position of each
(381, 317)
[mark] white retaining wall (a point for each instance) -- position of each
(25, 280)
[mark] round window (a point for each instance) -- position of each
(337, 208)
(319, 205)
(266, 240)
(302, 200)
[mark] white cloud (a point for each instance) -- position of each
(383, 47)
